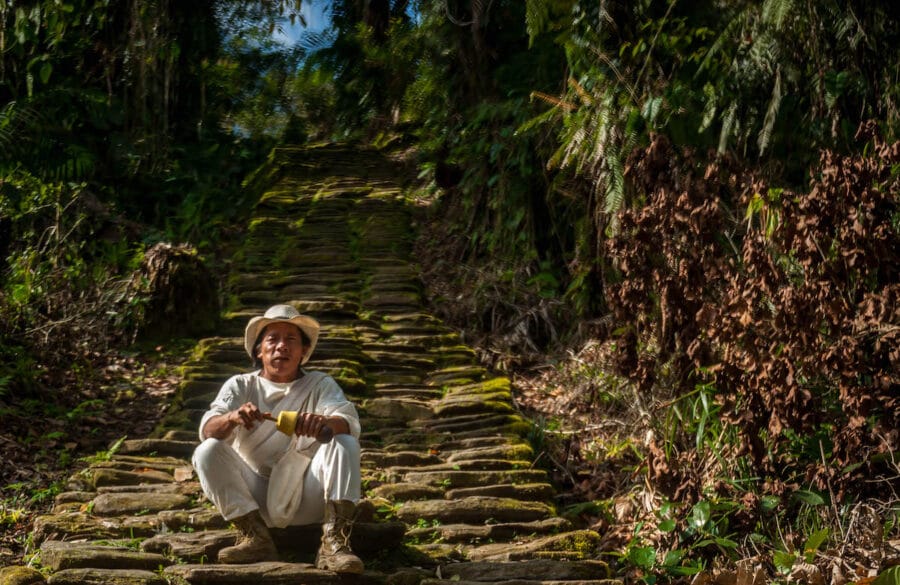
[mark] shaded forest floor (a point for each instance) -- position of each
(44, 440)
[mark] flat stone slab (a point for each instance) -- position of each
(459, 479)
(115, 504)
(159, 446)
(407, 491)
(59, 555)
(503, 531)
(98, 477)
(521, 451)
(75, 525)
(527, 491)
(402, 409)
(475, 509)
(271, 573)
(192, 547)
(568, 546)
(105, 577)
(526, 582)
(399, 458)
(538, 570)
(194, 519)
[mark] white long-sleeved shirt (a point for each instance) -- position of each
(262, 446)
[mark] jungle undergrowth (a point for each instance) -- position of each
(46, 438)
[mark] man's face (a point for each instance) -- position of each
(281, 352)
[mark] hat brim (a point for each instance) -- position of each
(308, 325)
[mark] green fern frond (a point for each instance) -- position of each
(729, 33)
(765, 135)
(537, 17)
(553, 101)
(776, 12)
(728, 124)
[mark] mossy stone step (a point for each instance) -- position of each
(106, 577)
(413, 392)
(490, 404)
(408, 355)
(119, 504)
(397, 409)
(159, 447)
(520, 451)
(567, 546)
(473, 510)
(539, 492)
(270, 573)
(477, 424)
(494, 531)
(379, 458)
(406, 491)
(99, 476)
(80, 525)
(191, 547)
(59, 555)
(460, 479)
(535, 570)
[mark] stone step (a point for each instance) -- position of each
(494, 531)
(464, 479)
(473, 510)
(269, 573)
(106, 577)
(535, 571)
(58, 555)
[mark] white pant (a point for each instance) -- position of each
(237, 490)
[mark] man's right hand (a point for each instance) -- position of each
(221, 426)
(247, 415)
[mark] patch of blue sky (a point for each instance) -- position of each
(317, 15)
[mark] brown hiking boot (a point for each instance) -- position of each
(335, 554)
(254, 545)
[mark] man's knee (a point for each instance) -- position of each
(208, 453)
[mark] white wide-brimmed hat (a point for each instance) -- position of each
(287, 313)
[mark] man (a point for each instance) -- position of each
(259, 477)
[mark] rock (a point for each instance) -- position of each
(398, 408)
(270, 573)
(538, 570)
(115, 504)
(105, 577)
(193, 519)
(473, 510)
(60, 555)
(399, 458)
(109, 476)
(568, 546)
(527, 491)
(455, 479)
(191, 547)
(160, 446)
(407, 491)
(519, 451)
(20, 576)
(503, 531)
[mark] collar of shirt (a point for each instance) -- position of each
(274, 391)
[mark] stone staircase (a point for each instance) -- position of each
(451, 494)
